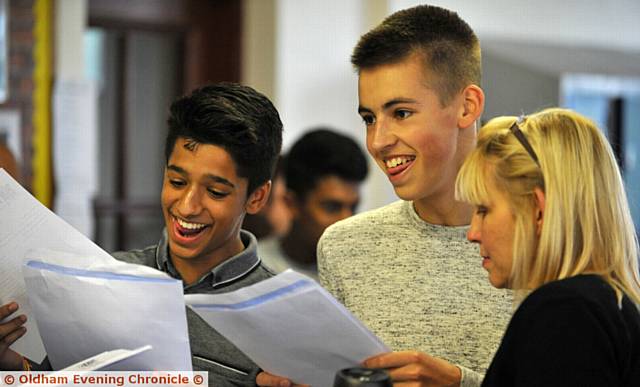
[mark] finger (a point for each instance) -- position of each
(12, 325)
(394, 359)
(12, 337)
(410, 372)
(406, 384)
(7, 309)
(265, 379)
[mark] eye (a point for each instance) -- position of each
(481, 210)
(368, 119)
(403, 114)
(177, 183)
(216, 194)
(331, 207)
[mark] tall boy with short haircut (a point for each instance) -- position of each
(421, 287)
(406, 269)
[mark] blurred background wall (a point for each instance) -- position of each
(117, 64)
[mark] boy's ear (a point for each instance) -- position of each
(472, 106)
(539, 209)
(258, 198)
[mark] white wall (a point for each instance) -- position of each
(259, 45)
(313, 81)
(512, 89)
(70, 23)
(590, 23)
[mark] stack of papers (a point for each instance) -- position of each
(84, 301)
(84, 312)
(290, 326)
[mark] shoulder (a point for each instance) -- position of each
(258, 274)
(146, 256)
(566, 327)
(370, 221)
(578, 304)
(587, 289)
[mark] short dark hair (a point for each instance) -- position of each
(236, 118)
(322, 152)
(448, 46)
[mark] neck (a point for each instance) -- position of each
(445, 213)
(296, 248)
(192, 269)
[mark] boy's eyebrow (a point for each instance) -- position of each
(396, 101)
(362, 109)
(387, 105)
(216, 178)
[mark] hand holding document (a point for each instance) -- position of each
(290, 326)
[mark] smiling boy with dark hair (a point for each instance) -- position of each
(221, 149)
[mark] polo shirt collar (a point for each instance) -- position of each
(228, 271)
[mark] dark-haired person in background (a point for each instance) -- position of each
(323, 173)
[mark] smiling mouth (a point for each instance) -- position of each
(396, 165)
(188, 229)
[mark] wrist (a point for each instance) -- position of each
(26, 364)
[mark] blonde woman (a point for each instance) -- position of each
(553, 223)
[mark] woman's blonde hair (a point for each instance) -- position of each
(587, 226)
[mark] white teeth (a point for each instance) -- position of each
(190, 226)
(394, 162)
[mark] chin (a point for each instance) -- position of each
(498, 283)
(407, 193)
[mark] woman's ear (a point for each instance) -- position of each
(258, 198)
(472, 106)
(539, 208)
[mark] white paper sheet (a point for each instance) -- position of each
(25, 223)
(290, 326)
(105, 359)
(83, 312)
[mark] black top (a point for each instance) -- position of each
(570, 332)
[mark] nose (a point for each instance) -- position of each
(380, 137)
(190, 203)
(473, 234)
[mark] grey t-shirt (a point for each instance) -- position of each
(417, 286)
